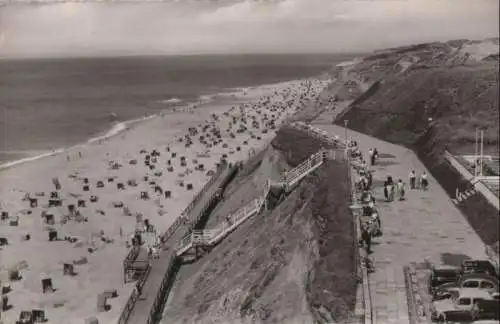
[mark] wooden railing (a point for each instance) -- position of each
(297, 173)
(213, 236)
(133, 298)
(183, 217)
(320, 134)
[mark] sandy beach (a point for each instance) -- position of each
(99, 187)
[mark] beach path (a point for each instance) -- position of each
(425, 225)
(142, 308)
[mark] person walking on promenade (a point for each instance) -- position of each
(389, 189)
(424, 183)
(392, 190)
(365, 183)
(413, 178)
(386, 190)
(401, 189)
(369, 177)
(366, 238)
(139, 289)
(375, 224)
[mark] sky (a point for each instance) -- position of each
(204, 27)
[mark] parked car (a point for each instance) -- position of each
(479, 266)
(442, 274)
(488, 310)
(463, 306)
(479, 281)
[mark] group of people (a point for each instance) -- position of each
(391, 189)
(423, 182)
(371, 223)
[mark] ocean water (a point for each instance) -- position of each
(49, 104)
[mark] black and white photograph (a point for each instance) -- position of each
(249, 161)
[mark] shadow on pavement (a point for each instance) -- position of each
(453, 259)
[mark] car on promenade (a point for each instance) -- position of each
(442, 274)
(471, 280)
(479, 266)
(465, 306)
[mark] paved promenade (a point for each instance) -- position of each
(140, 313)
(426, 225)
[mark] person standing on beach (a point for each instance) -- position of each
(370, 154)
(413, 177)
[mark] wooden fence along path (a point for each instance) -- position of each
(210, 237)
(157, 279)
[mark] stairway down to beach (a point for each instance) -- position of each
(159, 274)
(270, 194)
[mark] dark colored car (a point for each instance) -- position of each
(441, 275)
(488, 310)
(479, 266)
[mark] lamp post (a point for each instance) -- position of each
(345, 129)
(476, 153)
(482, 146)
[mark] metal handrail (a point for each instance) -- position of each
(183, 217)
(323, 135)
(211, 236)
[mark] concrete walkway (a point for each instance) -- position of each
(426, 225)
